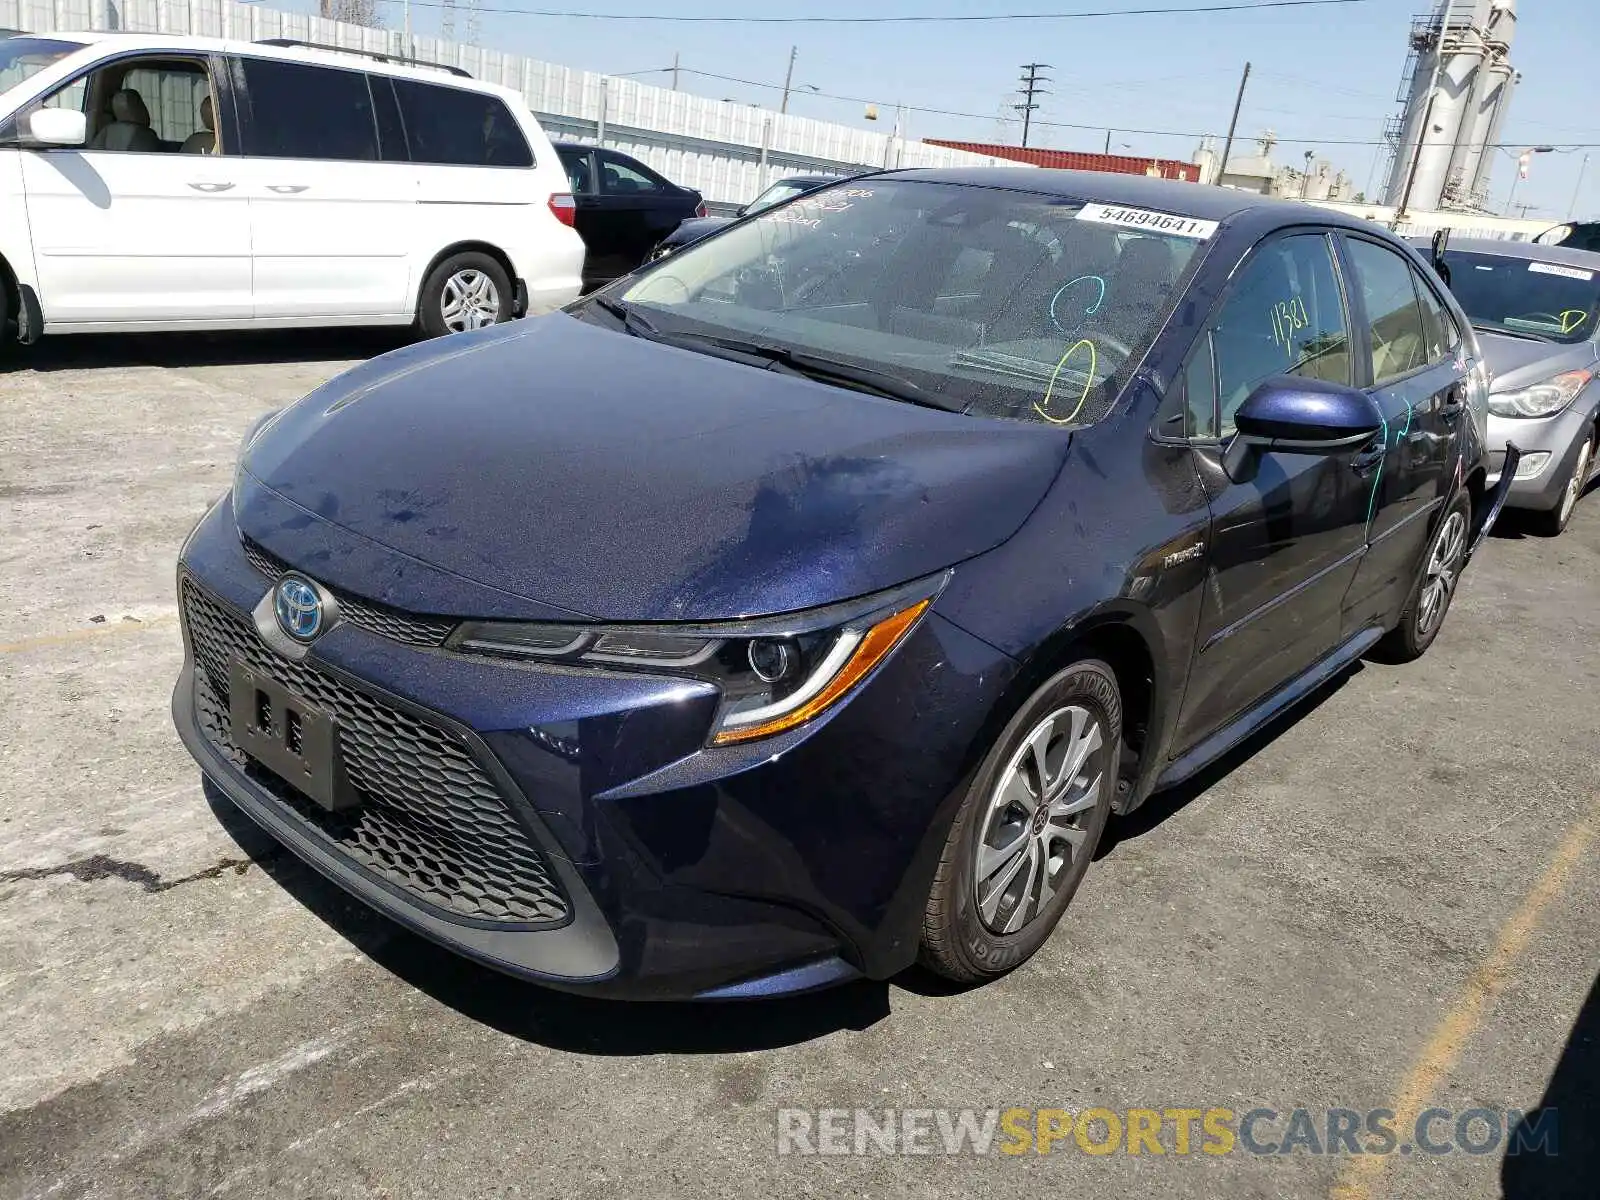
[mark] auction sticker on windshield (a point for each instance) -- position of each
(1144, 218)
(1564, 272)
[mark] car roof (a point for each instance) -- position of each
(1136, 191)
(1528, 250)
(328, 57)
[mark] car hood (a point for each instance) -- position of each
(693, 229)
(554, 468)
(1516, 362)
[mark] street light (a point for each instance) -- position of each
(1578, 188)
(1523, 158)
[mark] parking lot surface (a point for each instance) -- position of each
(1390, 901)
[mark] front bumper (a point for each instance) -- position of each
(676, 871)
(1557, 440)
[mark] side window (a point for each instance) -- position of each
(1283, 316)
(580, 178)
(292, 110)
(1200, 390)
(1399, 345)
(145, 106)
(618, 178)
(391, 132)
(449, 126)
(1438, 326)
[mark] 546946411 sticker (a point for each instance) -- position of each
(1149, 220)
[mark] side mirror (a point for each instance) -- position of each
(61, 127)
(1299, 416)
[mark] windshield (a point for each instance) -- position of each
(776, 194)
(1517, 295)
(996, 302)
(21, 57)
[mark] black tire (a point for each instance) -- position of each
(1421, 620)
(432, 317)
(1554, 522)
(958, 940)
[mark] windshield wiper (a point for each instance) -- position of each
(632, 320)
(1490, 327)
(826, 370)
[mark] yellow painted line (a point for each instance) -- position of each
(86, 635)
(1363, 1178)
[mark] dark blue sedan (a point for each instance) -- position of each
(806, 604)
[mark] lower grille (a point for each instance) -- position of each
(430, 820)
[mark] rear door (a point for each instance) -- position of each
(1286, 543)
(131, 228)
(1407, 362)
(332, 223)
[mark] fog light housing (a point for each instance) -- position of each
(1532, 464)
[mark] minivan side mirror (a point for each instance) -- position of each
(58, 127)
(1299, 416)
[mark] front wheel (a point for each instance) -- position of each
(1554, 522)
(1027, 828)
(465, 292)
(1435, 588)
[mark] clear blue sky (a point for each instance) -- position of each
(1319, 74)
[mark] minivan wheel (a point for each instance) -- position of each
(466, 291)
(1027, 828)
(1554, 522)
(1425, 611)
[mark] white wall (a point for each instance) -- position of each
(729, 152)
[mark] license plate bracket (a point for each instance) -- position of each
(294, 739)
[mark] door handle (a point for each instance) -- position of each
(288, 189)
(211, 188)
(1453, 404)
(1369, 459)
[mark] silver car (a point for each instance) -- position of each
(1537, 313)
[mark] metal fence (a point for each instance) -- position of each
(729, 152)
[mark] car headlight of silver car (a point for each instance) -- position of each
(1543, 399)
(775, 673)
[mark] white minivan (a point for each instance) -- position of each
(154, 182)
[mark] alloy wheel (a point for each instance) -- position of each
(469, 301)
(1444, 566)
(1034, 828)
(1580, 476)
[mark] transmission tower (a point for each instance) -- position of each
(1031, 80)
(474, 22)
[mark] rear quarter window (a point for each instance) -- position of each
(449, 126)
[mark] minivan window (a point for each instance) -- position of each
(297, 111)
(23, 57)
(992, 301)
(452, 127)
(153, 104)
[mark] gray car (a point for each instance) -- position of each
(1537, 312)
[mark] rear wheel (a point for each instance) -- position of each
(465, 292)
(1554, 522)
(1027, 828)
(1435, 587)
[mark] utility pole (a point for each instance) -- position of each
(1578, 189)
(1233, 123)
(674, 66)
(788, 78)
(1305, 180)
(1031, 79)
(1108, 141)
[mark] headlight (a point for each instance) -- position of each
(775, 673)
(1542, 399)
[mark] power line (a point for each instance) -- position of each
(907, 19)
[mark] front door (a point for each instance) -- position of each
(1410, 365)
(332, 223)
(1285, 542)
(149, 221)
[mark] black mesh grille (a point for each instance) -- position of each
(410, 628)
(430, 819)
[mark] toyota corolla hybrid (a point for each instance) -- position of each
(806, 604)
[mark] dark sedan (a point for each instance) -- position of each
(739, 632)
(623, 208)
(695, 228)
(1537, 312)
